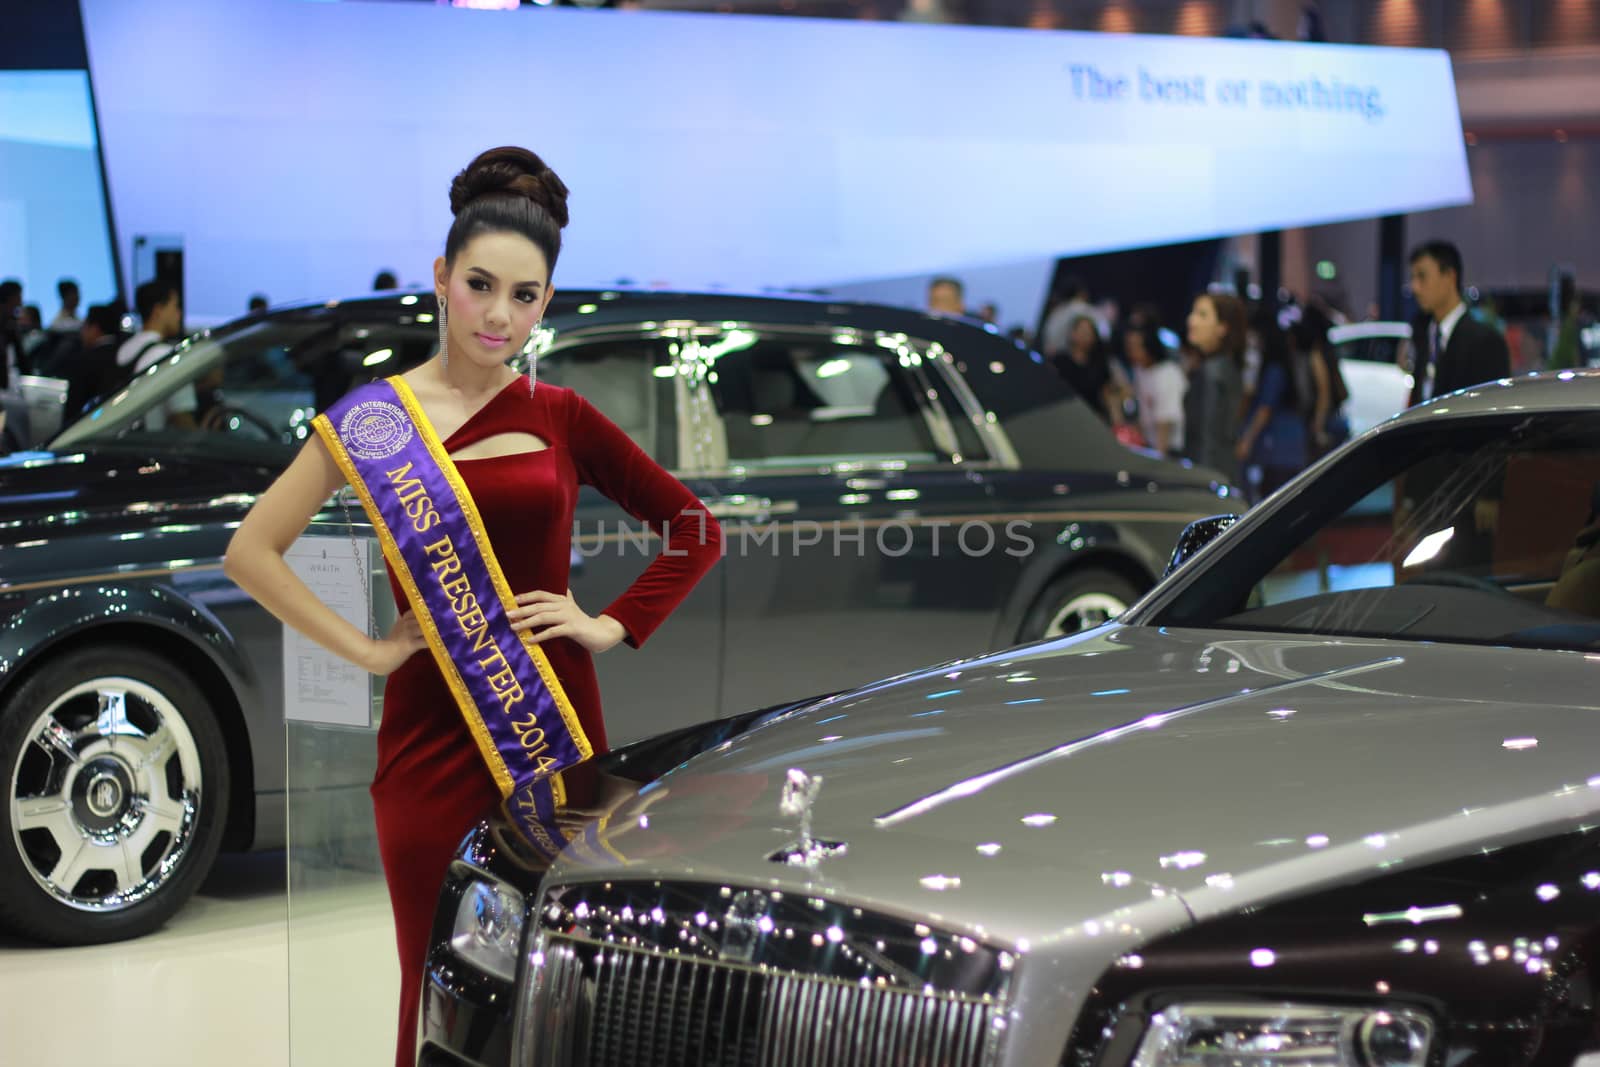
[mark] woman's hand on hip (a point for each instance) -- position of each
(404, 641)
(546, 615)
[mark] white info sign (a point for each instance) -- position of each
(319, 686)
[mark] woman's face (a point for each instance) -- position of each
(1084, 336)
(1206, 331)
(1133, 348)
(496, 293)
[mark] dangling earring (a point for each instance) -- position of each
(533, 359)
(444, 338)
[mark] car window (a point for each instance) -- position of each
(278, 387)
(801, 400)
(260, 383)
(1382, 343)
(969, 442)
(629, 381)
(1477, 534)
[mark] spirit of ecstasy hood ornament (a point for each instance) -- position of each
(799, 794)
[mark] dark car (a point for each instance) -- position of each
(894, 487)
(1328, 795)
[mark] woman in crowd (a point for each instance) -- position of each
(1159, 384)
(457, 460)
(1329, 427)
(1087, 368)
(1216, 331)
(1273, 439)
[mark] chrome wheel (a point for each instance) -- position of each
(105, 794)
(1084, 612)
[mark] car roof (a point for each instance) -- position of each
(1541, 392)
(626, 304)
(1019, 380)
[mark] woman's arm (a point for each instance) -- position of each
(1113, 398)
(1319, 413)
(1247, 439)
(254, 561)
(1270, 391)
(608, 459)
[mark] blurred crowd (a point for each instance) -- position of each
(93, 350)
(97, 350)
(1250, 389)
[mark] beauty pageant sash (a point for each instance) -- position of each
(433, 537)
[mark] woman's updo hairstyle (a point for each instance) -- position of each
(508, 190)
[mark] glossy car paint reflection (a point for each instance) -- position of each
(1147, 815)
(1503, 947)
(1084, 859)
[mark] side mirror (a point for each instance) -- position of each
(1195, 536)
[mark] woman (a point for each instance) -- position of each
(1087, 368)
(1329, 426)
(521, 451)
(1159, 384)
(1216, 331)
(1273, 441)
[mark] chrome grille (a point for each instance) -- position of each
(830, 1023)
(689, 975)
(609, 1006)
(653, 1009)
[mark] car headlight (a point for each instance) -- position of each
(488, 927)
(1245, 1035)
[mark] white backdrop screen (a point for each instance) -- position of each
(299, 147)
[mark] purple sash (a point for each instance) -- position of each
(433, 537)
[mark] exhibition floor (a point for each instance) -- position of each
(212, 987)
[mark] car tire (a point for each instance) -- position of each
(116, 778)
(1077, 600)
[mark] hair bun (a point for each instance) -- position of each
(510, 171)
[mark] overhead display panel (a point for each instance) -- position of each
(299, 147)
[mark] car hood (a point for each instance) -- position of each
(1130, 780)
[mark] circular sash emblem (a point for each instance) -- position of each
(375, 429)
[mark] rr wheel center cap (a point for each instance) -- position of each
(102, 795)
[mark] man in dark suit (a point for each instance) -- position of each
(1454, 350)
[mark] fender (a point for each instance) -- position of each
(1508, 973)
(51, 616)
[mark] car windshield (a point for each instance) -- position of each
(252, 388)
(1485, 532)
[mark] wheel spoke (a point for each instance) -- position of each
(161, 813)
(48, 813)
(57, 740)
(76, 860)
(158, 816)
(113, 719)
(125, 865)
(158, 749)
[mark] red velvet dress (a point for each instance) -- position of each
(432, 784)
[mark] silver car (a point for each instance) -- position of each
(1326, 796)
